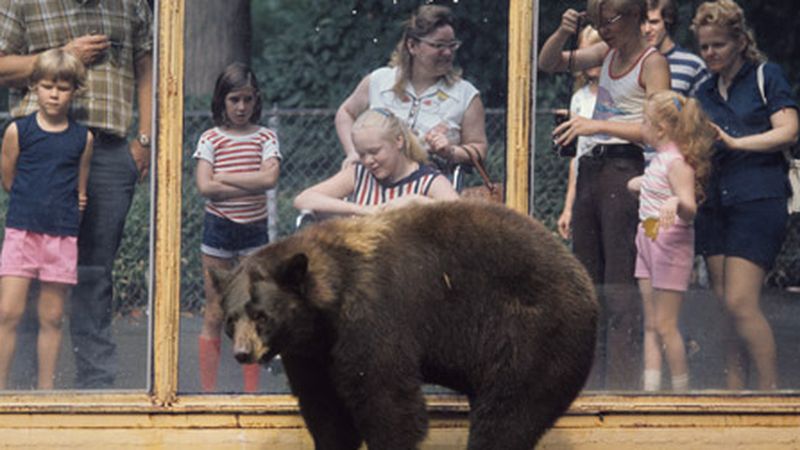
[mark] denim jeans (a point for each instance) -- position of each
(112, 180)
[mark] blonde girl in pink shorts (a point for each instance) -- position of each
(679, 131)
(45, 168)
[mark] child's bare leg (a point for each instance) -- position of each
(51, 315)
(652, 347)
(668, 306)
(212, 315)
(13, 295)
(209, 339)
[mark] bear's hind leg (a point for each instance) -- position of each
(325, 414)
(508, 423)
(390, 414)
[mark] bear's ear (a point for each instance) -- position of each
(291, 273)
(219, 278)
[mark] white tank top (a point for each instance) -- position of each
(620, 98)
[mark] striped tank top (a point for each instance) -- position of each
(370, 191)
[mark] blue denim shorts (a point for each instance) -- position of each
(751, 230)
(224, 238)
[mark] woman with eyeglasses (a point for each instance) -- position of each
(604, 215)
(422, 87)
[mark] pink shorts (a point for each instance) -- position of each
(49, 258)
(668, 260)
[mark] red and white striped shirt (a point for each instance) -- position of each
(370, 191)
(231, 153)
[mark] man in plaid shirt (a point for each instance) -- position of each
(114, 40)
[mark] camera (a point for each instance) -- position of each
(568, 150)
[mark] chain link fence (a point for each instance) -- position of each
(312, 153)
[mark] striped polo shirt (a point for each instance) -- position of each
(686, 69)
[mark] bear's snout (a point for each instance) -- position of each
(247, 345)
(242, 356)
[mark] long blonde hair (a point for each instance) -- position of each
(727, 15)
(425, 20)
(391, 127)
(685, 124)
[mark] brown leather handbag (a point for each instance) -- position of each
(489, 190)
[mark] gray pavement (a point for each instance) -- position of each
(699, 322)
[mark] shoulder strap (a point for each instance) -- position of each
(760, 81)
(477, 161)
(787, 152)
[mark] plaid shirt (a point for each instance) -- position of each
(32, 26)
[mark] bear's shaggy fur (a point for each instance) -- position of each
(468, 295)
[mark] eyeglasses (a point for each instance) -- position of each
(609, 22)
(439, 46)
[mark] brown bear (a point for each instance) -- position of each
(468, 295)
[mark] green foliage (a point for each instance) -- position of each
(313, 53)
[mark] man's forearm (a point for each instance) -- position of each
(144, 90)
(15, 69)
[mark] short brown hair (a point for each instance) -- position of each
(60, 65)
(669, 12)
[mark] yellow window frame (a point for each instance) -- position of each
(162, 407)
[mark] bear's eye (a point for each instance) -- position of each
(259, 316)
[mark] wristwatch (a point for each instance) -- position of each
(144, 140)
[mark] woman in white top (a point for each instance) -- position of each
(422, 87)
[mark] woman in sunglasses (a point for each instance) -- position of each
(422, 87)
(604, 216)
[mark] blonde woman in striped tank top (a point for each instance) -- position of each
(391, 172)
(668, 191)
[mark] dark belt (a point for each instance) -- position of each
(617, 151)
(101, 136)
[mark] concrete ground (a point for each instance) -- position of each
(699, 322)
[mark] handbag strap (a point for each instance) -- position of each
(477, 161)
(787, 152)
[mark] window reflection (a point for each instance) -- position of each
(701, 316)
(104, 331)
(305, 71)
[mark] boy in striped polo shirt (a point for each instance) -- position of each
(687, 70)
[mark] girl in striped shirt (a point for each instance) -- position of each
(391, 172)
(237, 161)
(682, 136)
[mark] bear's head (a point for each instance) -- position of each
(266, 304)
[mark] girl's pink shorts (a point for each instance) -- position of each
(49, 258)
(668, 260)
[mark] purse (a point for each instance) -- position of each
(489, 191)
(793, 203)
